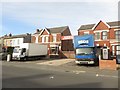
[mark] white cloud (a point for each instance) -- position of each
(59, 0)
(50, 15)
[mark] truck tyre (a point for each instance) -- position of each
(25, 59)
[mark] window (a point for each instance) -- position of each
(54, 37)
(97, 35)
(54, 50)
(104, 35)
(43, 39)
(118, 50)
(117, 34)
(10, 42)
(46, 39)
(113, 50)
(18, 41)
(86, 33)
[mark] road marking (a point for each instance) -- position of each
(100, 75)
(77, 72)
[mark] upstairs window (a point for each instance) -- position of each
(104, 35)
(117, 34)
(97, 36)
(43, 39)
(54, 38)
(46, 39)
(86, 33)
(18, 41)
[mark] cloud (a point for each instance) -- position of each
(59, 0)
(42, 14)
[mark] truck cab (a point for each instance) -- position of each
(85, 55)
(19, 53)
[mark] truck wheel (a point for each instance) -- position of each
(25, 58)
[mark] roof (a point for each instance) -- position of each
(17, 36)
(57, 29)
(90, 26)
(116, 23)
(86, 27)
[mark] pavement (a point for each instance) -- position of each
(57, 62)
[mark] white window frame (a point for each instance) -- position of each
(47, 38)
(117, 34)
(86, 33)
(99, 36)
(113, 50)
(54, 38)
(43, 39)
(117, 49)
(103, 36)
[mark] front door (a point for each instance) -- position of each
(105, 53)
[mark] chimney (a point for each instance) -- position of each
(10, 35)
(37, 30)
(27, 33)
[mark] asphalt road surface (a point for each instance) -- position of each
(25, 77)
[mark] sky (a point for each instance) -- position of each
(20, 17)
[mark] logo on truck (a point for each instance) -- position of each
(83, 42)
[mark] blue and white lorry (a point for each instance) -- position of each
(85, 49)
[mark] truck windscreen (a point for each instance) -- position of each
(16, 50)
(84, 51)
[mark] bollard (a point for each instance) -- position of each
(8, 57)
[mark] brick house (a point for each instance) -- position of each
(107, 37)
(52, 37)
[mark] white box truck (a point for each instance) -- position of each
(29, 50)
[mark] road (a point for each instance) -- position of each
(14, 76)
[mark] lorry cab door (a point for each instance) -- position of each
(105, 53)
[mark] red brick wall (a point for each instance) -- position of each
(101, 26)
(39, 39)
(108, 64)
(112, 33)
(50, 38)
(33, 38)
